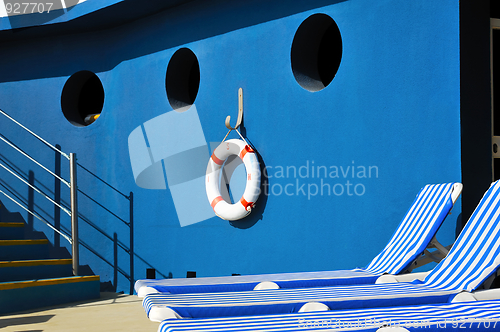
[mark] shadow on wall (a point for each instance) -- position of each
(57, 251)
(33, 201)
(258, 212)
(144, 37)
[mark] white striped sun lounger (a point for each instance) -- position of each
(472, 259)
(413, 235)
(478, 316)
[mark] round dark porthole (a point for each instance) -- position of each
(316, 52)
(82, 98)
(182, 79)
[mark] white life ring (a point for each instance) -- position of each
(244, 206)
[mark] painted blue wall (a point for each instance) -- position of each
(393, 105)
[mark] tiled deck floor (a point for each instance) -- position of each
(112, 312)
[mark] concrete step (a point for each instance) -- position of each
(11, 230)
(24, 249)
(35, 269)
(31, 294)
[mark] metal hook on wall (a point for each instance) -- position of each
(240, 112)
(240, 117)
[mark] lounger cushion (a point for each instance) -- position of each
(291, 300)
(245, 283)
(477, 316)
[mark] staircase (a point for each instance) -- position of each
(32, 274)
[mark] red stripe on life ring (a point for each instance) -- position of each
(246, 204)
(215, 201)
(217, 160)
(245, 150)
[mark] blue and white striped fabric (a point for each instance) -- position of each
(412, 236)
(290, 300)
(415, 231)
(478, 316)
(476, 253)
(472, 259)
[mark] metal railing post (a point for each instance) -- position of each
(74, 213)
(131, 198)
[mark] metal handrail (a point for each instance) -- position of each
(130, 224)
(35, 135)
(73, 213)
(72, 185)
(104, 182)
(3, 138)
(105, 208)
(38, 217)
(35, 189)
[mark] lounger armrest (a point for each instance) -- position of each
(457, 190)
(481, 295)
(145, 290)
(390, 278)
(159, 314)
(487, 294)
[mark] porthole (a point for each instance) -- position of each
(182, 79)
(82, 98)
(316, 52)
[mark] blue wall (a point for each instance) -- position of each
(393, 105)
